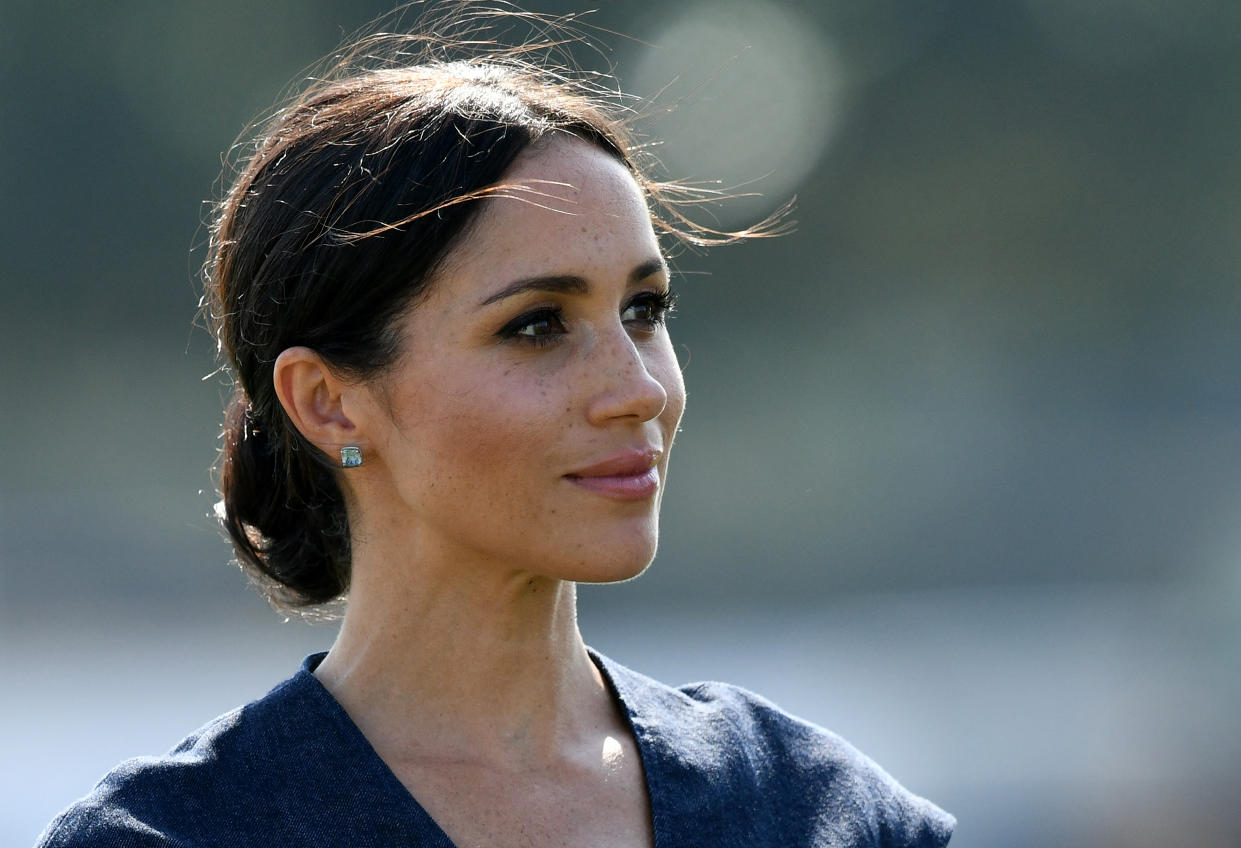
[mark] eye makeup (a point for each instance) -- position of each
(546, 325)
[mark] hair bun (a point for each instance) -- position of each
(296, 548)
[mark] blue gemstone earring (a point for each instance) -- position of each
(350, 456)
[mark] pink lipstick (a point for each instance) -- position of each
(631, 476)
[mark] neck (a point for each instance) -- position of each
(469, 663)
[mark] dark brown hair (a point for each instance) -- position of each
(334, 224)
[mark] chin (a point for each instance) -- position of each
(616, 574)
(615, 562)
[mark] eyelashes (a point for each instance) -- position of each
(540, 326)
(645, 313)
(651, 308)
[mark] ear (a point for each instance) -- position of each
(317, 401)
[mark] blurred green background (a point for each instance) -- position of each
(960, 475)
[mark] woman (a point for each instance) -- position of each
(440, 290)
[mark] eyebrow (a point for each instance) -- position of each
(571, 283)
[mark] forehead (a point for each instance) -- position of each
(565, 206)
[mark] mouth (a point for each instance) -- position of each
(630, 476)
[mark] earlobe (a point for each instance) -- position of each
(314, 399)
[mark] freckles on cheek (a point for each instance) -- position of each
(506, 423)
(487, 431)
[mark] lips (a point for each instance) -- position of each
(628, 476)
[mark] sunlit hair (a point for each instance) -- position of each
(338, 214)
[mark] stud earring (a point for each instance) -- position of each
(350, 456)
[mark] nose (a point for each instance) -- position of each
(625, 387)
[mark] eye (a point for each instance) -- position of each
(539, 327)
(649, 309)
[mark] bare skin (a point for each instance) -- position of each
(506, 736)
(460, 657)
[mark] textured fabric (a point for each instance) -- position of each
(724, 767)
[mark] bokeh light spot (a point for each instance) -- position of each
(746, 93)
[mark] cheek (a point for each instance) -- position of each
(481, 433)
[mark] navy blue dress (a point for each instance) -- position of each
(724, 769)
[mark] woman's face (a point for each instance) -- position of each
(529, 418)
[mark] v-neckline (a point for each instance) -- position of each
(390, 785)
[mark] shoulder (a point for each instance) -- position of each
(810, 784)
(822, 776)
(223, 778)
